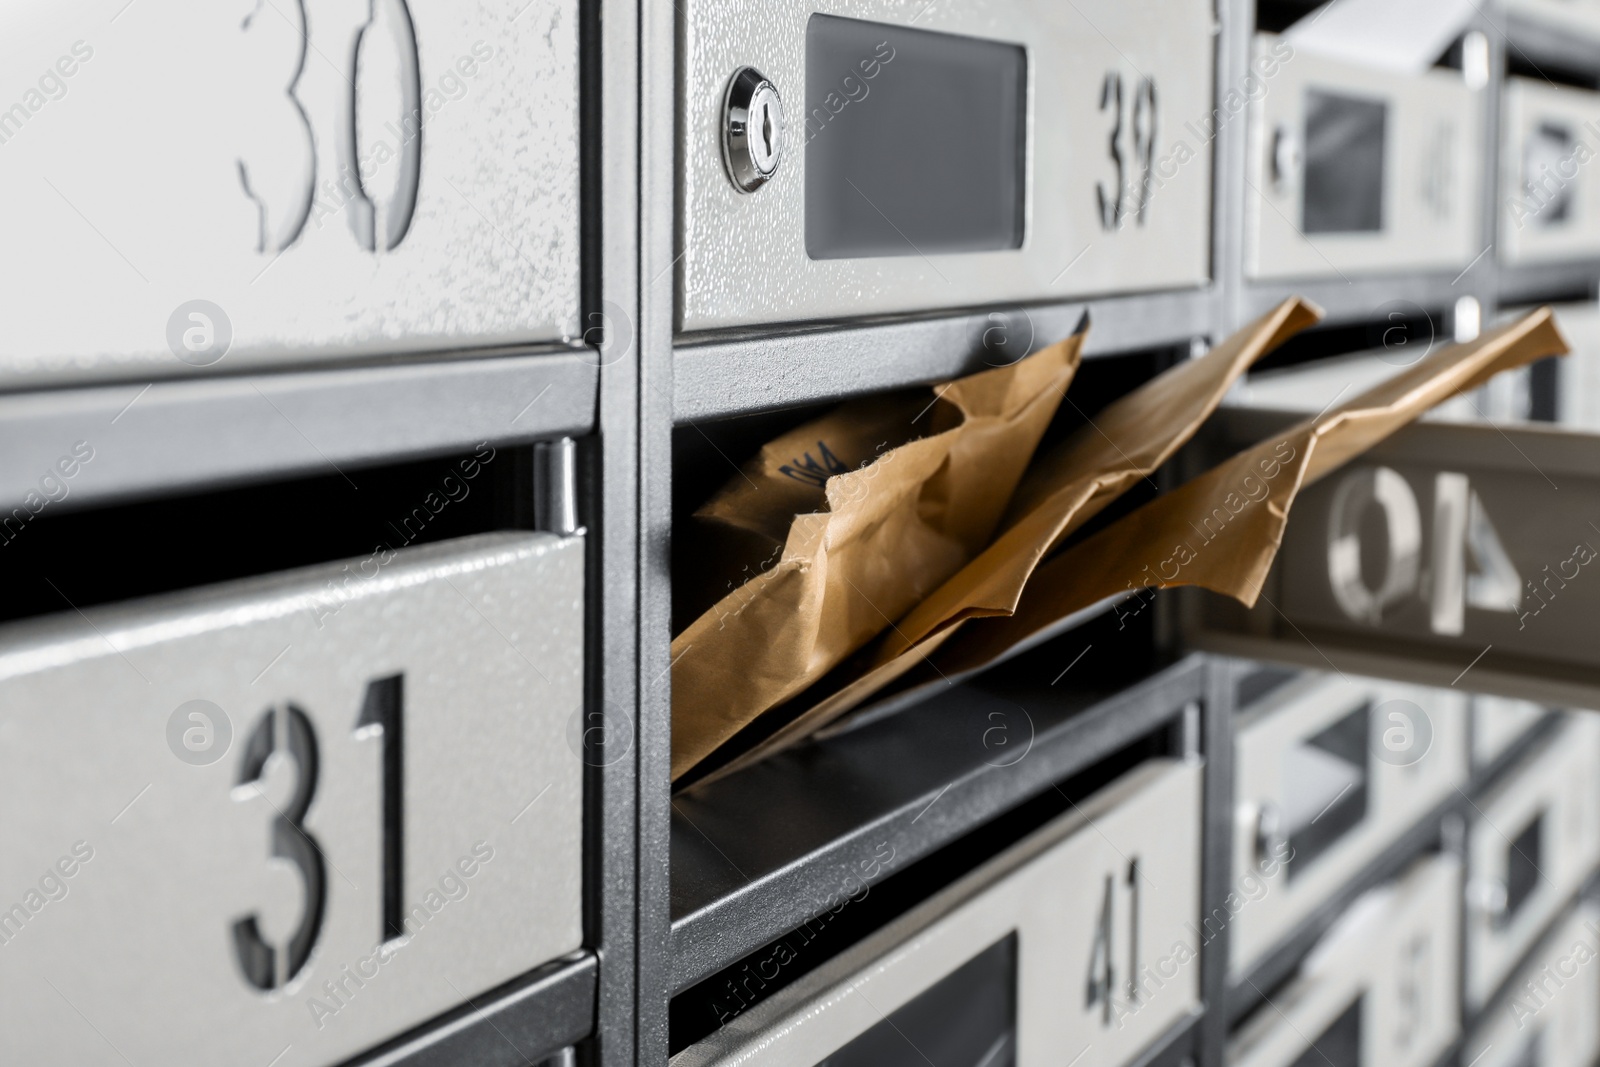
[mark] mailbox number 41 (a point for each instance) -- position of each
(1470, 565)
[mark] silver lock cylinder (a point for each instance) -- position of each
(752, 129)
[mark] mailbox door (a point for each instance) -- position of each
(1354, 169)
(1096, 159)
(1552, 202)
(1378, 990)
(1538, 838)
(291, 817)
(1554, 1023)
(1330, 770)
(251, 184)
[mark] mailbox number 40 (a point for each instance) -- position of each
(1470, 565)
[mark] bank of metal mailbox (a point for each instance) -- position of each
(1538, 838)
(1378, 991)
(290, 817)
(1498, 723)
(1551, 206)
(1329, 770)
(992, 970)
(1549, 1015)
(1356, 169)
(843, 159)
(293, 182)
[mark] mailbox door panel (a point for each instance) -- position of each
(327, 178)
(1113, 177)
(301, 815)
(1552, 203)
(1380, 987)
(1554, 1023)
(1330, 770)
(1356, 169)
(1538, 838)
(1102, 965)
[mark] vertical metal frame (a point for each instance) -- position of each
(1236, 20)
(610, 82)
(1216, 851)
(657, 200)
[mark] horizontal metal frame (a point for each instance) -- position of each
(761, 852)
(736, 373)
(1535, 41)
(1251, 988)
(201, 433)
(520, 1023)
(1371, 298)
(1533, 283)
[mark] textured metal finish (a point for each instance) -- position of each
(465, 656)
(1395, 795)
(1432, 177)
(726, 278)
(212, 152)
(1394, 956)
(186, 435)
(734, 373)
(759, 853)
(534, 1016)
(1055, 890)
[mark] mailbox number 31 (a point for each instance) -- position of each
(288, 730)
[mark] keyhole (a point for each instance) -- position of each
(766, 130)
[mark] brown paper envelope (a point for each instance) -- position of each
(1222, 530)
(1064, 488)
(893, 531)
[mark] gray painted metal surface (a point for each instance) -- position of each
(296, 815)
(163, 437)
(253, 184)
(736, 372)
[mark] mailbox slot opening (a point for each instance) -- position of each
(969, 1016)
(1340, 1044)
(1325, 787)
(1524, 857)
(76, 559)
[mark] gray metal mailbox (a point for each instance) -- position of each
(286, 819)
(888, 156)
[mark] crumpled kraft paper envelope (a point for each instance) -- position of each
(1222, 530)
(1063, 489)
(893, 531)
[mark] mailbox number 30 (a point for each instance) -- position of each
(288, 730)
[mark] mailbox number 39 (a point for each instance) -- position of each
(288, 730)
(1462, 532)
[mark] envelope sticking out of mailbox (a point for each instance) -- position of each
(1222, 530)
(765, 645)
